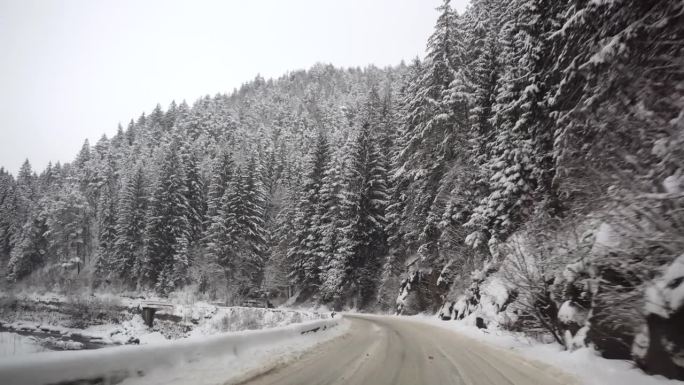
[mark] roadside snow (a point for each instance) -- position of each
(199, 360)
(230, 319)
(244, 364)
(585, 363)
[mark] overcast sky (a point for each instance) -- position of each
(74, 69)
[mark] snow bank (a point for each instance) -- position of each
(585, 363)
(136, 361)
(236, 318)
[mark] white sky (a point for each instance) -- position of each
(73, 69)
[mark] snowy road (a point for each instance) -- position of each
(388, 350)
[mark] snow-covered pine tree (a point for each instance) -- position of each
(518, 154)
(303, 259)
(399, 183)
(251, 222)
(221, 174)
(154, 124)
(479, 72)
(428, 127)
(27, 192)
(106, 216)
(106, 213)
(46, 179)
(463, 184)
(195, 191)
(85, 172)
(363, 240)
(130, 225)
(30, 246)
(171, 116)
(68, 221)
(229, 246)
(276, 280)
(220, 244)
(599, 49)
(428, 140)
(167, 230)
(8, 212)
(331, 220)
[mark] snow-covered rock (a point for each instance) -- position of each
(674, 184)
(659, 347)
(569, 312)
(666, 295)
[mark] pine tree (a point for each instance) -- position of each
(68, 221)
(251, 223)
(168, 229)
(106, 232)
(30, 247)
(220, 243)
(363, 239)
(518, 163)
(429, 117)
(429, 128)
(429, 141)
(303, 259)
(195, 193)
(276, 280)
(27, 191)
(400, 181)
(130, 225)
(8, 211)
(329, 249)
(85, 172)
(106, 213)
(221, 176)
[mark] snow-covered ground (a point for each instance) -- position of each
(51, 319)
(585, 363)
(196, 360)
(114, 334)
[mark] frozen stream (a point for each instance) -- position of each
(18, 342)
(13, 344)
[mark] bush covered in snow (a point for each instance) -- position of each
(618, 287)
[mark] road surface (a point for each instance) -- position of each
(389, 350)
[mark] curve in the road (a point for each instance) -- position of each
(390, 350)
